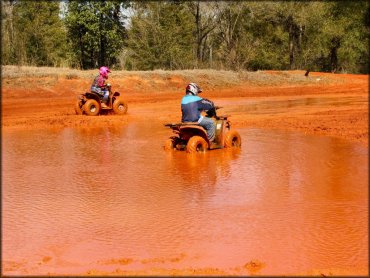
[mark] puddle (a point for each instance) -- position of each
(277, 106)
(76, 200)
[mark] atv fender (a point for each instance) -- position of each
(89, 95)
(116, 94)
(188, 131)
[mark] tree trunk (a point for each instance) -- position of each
(197, 22)
(334, 54)
(101, 40)
(291, 43)
(81, 58)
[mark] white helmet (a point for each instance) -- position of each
(193, 88)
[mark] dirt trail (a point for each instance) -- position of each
(31, 100)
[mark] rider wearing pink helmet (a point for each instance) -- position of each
(104, 72)
(100, 86)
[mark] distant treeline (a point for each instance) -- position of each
(146, 35)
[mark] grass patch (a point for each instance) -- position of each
(204, 77)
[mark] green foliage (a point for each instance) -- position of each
(95, 32)
(35, 34)
(147, 35)
(160, 37)
(348, 36)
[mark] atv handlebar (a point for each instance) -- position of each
(212, 112)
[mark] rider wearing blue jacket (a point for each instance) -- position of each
(192, 105)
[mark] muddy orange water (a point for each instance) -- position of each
(99, 195)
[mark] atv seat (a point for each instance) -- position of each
(181, 124)
(190, 123)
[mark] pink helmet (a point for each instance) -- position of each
(104, 71)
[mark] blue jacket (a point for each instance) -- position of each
(191, 106)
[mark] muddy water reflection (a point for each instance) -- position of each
(276, 105)
(79, 200)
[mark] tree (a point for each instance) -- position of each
(96, 32)
(287, 25)
(34, 33)
(8, 49)
(160, 36)
(346, 35)
(204, 18)
(234, 40)
(173, 34)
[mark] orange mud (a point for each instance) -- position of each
(48, 102)
(42, 102)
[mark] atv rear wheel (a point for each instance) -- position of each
(196, 144)
(233, 139)
(119, 106)
(78, 107)
(92, 107)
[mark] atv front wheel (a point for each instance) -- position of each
(196, 144)
(119, 106)
(233, 139)
(92, 107)
(78, 107)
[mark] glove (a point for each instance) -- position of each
(210, 102)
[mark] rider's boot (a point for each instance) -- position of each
(104, 105)
(104, 102)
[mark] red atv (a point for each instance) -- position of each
(90, 103)
(193, 138)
